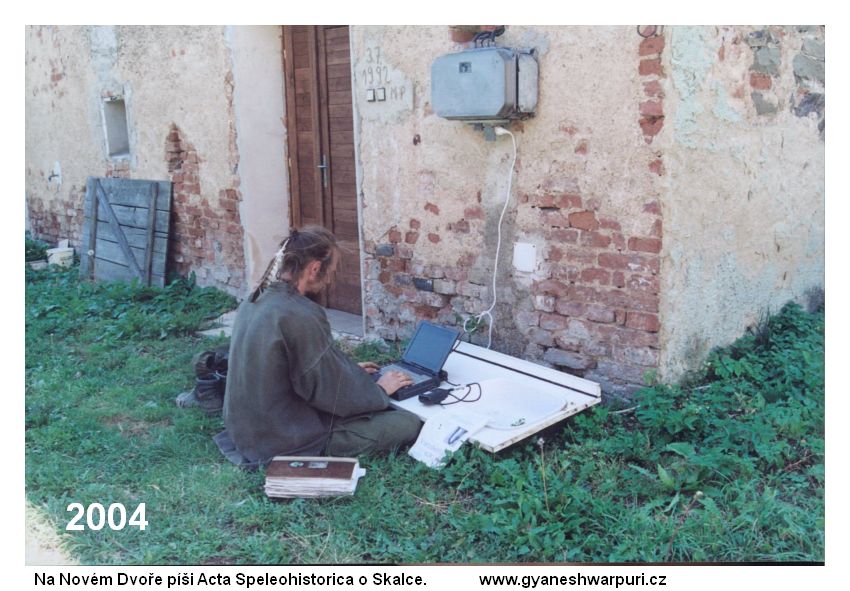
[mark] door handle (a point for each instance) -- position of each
(324, 168)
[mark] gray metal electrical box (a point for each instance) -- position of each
(485, 85)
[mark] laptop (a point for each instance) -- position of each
(423, 359)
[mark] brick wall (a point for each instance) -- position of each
(206, 238)
(58, 218)
(592, 307)
(595, 315)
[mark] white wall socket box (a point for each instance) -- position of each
(525, 257)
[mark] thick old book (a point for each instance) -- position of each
(292, 477)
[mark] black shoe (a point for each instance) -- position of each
(208, 395)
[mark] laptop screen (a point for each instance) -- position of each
(430, 346)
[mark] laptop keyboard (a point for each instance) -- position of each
(416, 377)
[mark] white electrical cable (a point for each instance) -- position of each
(488, 311)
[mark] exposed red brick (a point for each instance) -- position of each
(395, 264)
(581, 148)
(567, 307)
(474, 213)
(563, 273)
(544, 303)
(580, 257)
(652, 109)
(619, 241)
(650, 67)
(651, 126)
(595, 240)
(657, 167)
(649, 284)
(549, 287)
(601, 331)
(461, 226)
(641, 321)
(618, 279)
(609, 224)
(547, 200)
(760, 81)
(430, 207)
(569, 201)
(584, 220)
(600, 276)
(394, 236)
(645, 244)
(411, 237)
(415, 224)
(466, 259)
(599, 314)
(651, 46)
(634, 338)
(435, 238)
(653, 89)
(456, 274)
(629, 262)
(565, 236)
(652, 207)
(426, 312)
(555, 219)
(657, 229)
(555, 254)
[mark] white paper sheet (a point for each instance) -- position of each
(445, 433)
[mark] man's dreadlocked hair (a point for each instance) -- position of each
(312, 243)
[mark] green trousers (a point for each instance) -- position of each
(377, 432)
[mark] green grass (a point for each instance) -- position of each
(727, 467)
(35, 250)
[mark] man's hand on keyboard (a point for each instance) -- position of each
(393, 380)
(369, 366)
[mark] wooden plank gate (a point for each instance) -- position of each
(125, 234)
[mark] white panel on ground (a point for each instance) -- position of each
(519, 398)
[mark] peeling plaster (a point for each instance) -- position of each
(743, 214)
(691, 60)
(722, 109)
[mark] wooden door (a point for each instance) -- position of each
(320, 124)
(125, 233)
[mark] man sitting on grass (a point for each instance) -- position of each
(290, 390)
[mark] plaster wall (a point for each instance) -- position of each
(432, 191)
(64, 130)
(261, 137)
(177, 85)
(743, 203)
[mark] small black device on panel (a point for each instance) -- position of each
(435, 396)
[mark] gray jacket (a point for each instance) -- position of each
(286, 380)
